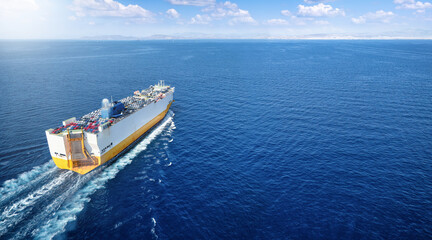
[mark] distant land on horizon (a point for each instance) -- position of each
(213, 37)
(204, 37)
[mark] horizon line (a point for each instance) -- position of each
(126, 38)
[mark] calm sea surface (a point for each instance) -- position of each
(266, 140)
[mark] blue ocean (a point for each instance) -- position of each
(266, 140)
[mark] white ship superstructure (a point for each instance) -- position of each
(82, 145)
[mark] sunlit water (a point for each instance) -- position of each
(266, 140)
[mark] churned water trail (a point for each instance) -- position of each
(15, 212)
(78, 182)
(25, 180)
(68, 212)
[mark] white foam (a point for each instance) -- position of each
(169, 164)
(117, 225)
(12, 187)
(14, 213)
(29, 226)
(172, 139)
(171, 127)
(140, 178)
(153, 230)
(68, 212)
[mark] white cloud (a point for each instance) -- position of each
(277, 21)
(319, 10)
(286, 13)
(91, 23)
(317, 1)
(230, 10)
(412, 4)
(201, 19)
(358, 20)
(72, 18)
(193, 2)
(243, 19)
(381, 16)
(109, 8)
(18, 5)
(172, 13)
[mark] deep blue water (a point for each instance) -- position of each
(266, 140)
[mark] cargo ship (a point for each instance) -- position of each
(84, 144)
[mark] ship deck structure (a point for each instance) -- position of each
(84, 144)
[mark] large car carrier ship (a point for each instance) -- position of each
(83, 144)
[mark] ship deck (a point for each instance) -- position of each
(92, 121)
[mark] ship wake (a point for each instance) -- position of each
(14, 187)
(41, 202)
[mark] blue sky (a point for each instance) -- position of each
(60, 19)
